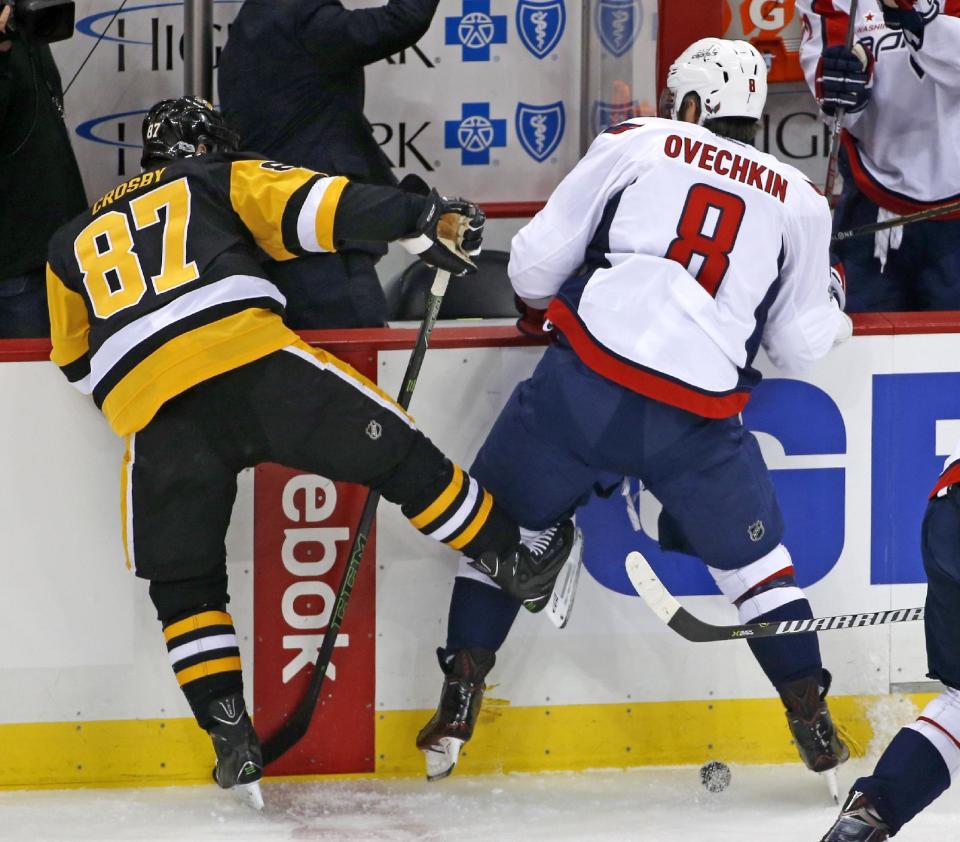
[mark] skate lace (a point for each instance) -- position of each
(538, 544)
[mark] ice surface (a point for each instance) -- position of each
(762, 804)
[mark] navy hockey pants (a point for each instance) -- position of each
(940, 545)
(922, 274)
(567, 429)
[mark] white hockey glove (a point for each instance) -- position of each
(838, 292)
(449, 233)
(838, 285)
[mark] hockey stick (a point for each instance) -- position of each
(297, 724)
(665, 606)
(896, 222)
(833, 163)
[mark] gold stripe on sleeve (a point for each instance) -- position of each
(260, 197)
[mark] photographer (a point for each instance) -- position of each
(292, 83)
(40, 185)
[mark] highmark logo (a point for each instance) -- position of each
(618, 23)
(541, 24)
(121, 130)
(476, 30)
(154, 26)
(475, 134)
(540, 128)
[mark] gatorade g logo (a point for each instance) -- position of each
(766, 17)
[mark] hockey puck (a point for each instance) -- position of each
(715, 775)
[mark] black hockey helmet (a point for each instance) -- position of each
(174, 128)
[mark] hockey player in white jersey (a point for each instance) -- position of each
(900, 88)
(669, 255)
(922, 759)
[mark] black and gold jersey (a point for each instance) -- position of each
(159, 286)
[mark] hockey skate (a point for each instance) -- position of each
(239, 761)
(530, 571)
(443, 736)
(814, 733)
(858, 822)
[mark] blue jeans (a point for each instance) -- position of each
(23, 307)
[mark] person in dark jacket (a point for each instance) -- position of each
(40, 185)
(291, 81)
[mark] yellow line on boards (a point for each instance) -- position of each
(155, 752)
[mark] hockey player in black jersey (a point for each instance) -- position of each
(161, 311)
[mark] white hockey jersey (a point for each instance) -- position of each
(904, 147)
(672, 254)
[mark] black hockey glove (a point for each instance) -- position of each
(449, 232)
(844, 79)
(904, 14)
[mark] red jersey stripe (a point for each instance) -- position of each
(631, 376)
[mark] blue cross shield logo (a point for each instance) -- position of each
(606, 114)
(475, 30)
(540, 128)
(541, 24)
(475, 134)
(618, 23)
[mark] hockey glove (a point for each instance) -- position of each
(904, 14)
(449, 232)
(844, 79)
(531, 321)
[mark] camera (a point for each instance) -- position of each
(42, 21)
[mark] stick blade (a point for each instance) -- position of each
(648, 585)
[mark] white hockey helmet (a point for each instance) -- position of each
(730, 77)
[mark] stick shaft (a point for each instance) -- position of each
(297, 725)
(833, 162)
(896, 222)
(653, 592)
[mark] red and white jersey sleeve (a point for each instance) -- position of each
(904, 146)
(672, 254)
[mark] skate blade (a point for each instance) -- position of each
(560, 606)
(250, 794)
(830, 776)
(442, 758)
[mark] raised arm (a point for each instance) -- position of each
(364, 36)
(932, 32)
(838, 78)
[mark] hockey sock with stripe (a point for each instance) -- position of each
(462, 514)
(766, 591)
(203, 651)
(786, 659)
(910, 775)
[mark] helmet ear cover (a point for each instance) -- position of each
(175, 128)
